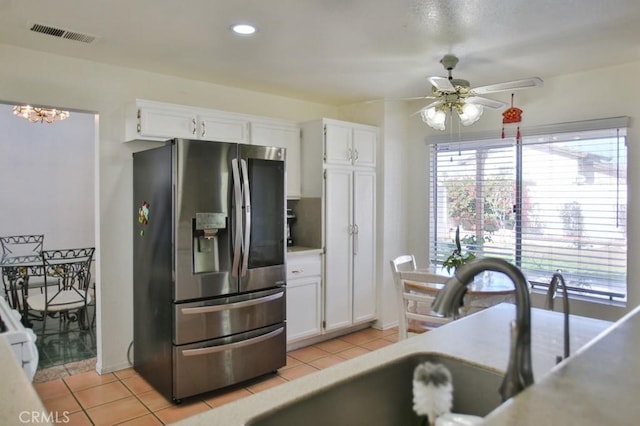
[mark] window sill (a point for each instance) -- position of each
(587, 306)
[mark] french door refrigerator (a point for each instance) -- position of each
(209, 264)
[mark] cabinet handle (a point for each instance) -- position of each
(355, 157)
(349, 154)
(355, 239)
(204, 129)
(297, 271)
(193, 121)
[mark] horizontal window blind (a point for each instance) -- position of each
(473, 189)
(572, 212)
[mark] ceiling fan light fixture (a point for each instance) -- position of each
(457, 95)
(434, 117)
(470, 113)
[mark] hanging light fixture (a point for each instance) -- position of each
(435, 115)
(40, 115)
(470, 114)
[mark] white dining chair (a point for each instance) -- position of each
(415, 299)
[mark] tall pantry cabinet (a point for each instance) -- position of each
(339, 165)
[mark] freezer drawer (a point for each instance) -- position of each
(214, 364)
(214, 318)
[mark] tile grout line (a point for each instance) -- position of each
(73, 394)
(246, 388)
(153, 413)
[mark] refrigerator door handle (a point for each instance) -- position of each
(247, 217)
(237, 223)
(235, 345)
(230, 306)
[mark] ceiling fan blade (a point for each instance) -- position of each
(432, 104)
(486, 102)
(442, 83)
(415, 98)
(526, 83)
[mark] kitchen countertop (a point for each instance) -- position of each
(597, 387)
(483, 338)
(300, 250)
(19, 402)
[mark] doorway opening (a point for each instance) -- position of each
(49, 175)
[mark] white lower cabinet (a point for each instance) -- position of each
(303, 296)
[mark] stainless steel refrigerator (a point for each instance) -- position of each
(209, 264)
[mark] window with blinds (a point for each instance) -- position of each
(552, 201)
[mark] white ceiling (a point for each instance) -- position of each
(336, 51)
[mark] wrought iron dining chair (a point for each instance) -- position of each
(414, 303)
(20, 245)
(70, 296)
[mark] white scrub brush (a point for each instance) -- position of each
(432, 391)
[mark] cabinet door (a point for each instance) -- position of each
(303, 308)
(159, 122)
(364, 245)
(364, 147)
(338, 258)
(284, 137)
(338, 144)
(223, 128)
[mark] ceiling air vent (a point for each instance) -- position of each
(61, 33)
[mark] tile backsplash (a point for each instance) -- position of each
(307, 230)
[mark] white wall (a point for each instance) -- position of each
(47, 175)
(84, 85)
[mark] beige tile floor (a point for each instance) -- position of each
(125, 398)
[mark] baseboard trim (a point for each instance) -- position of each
(326, 336)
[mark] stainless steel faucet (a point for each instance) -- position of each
(551, 293)
(519, 372)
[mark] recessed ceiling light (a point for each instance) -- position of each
(244, 29)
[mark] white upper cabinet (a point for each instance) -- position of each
(364, 146)
(338, 148)
(282, 134)
(223, 127)
(158, 121)
(350, 144)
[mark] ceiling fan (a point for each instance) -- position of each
(456, 95)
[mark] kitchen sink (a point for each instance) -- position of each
(384, 396)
